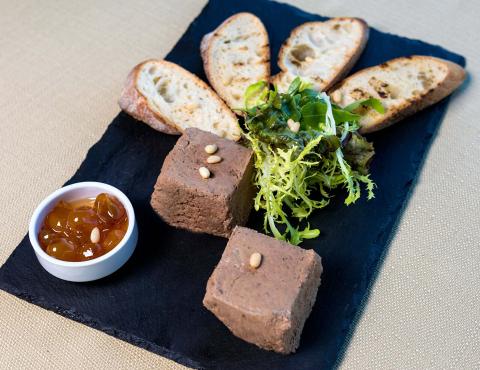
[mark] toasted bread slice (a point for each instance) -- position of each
(236, 55)
(404, 86)
(321, 53)
(171, 99)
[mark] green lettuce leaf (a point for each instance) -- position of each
(371, 103)
(296, 172)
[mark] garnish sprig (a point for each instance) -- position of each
(297, 170)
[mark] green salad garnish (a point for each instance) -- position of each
(304, 147)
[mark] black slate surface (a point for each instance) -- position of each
(155, 300)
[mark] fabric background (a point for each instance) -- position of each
(62, 65)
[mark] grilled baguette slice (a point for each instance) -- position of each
(170, 99)
(236, 55)
(404, 86)
(321, 52)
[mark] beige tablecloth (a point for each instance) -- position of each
(62, 65)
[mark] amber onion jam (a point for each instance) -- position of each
(83, 229)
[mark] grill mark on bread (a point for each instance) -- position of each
(382, 88)
(359, 94)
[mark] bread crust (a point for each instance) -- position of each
(351, 57)
(134, 103)
(206, 47)
(453, 79)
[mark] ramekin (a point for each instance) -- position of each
(96, 268)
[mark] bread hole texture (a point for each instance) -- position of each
(301, 52)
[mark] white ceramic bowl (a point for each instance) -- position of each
(95, 268)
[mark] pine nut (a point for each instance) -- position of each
(255, 260)
(95, 235)
(337, 96)
(204, 172)
(214, 159)
(294, 126)
(211, 148)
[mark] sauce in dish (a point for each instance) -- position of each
(83, 229)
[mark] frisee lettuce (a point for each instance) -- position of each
(297, 171)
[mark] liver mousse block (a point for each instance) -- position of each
(215, 205)
(268, 305)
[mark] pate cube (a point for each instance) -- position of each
(214, 205)
(268, 305)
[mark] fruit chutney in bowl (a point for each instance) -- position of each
(83, 231)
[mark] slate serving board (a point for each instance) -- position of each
(155, 300)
